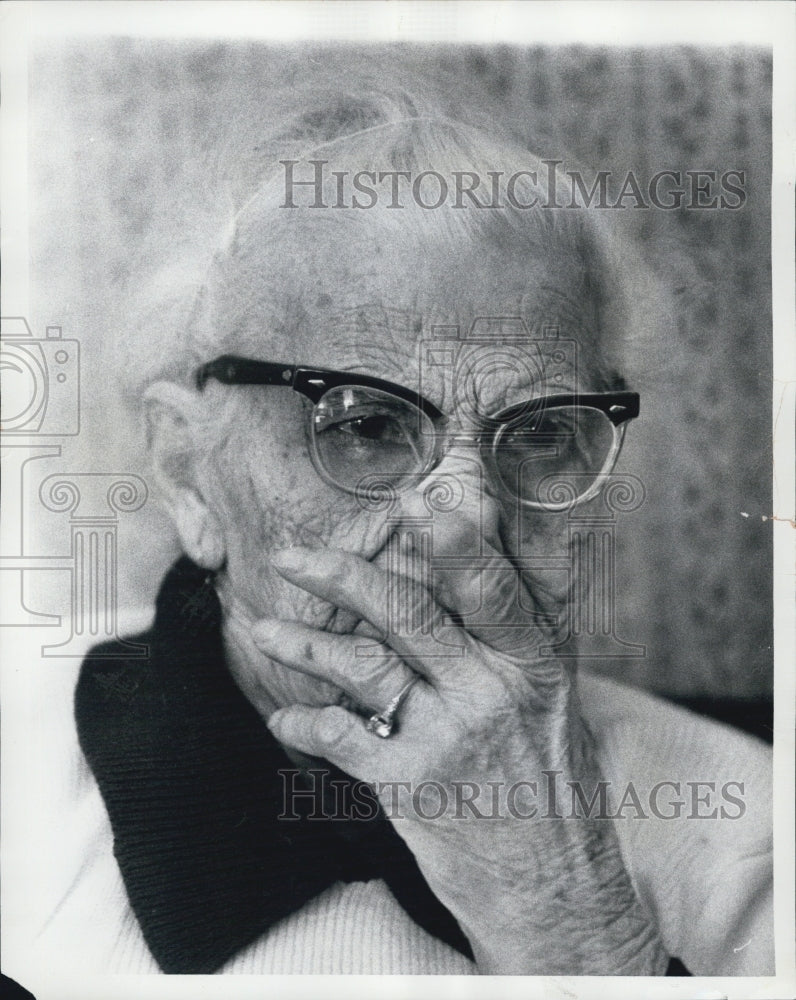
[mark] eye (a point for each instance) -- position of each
(367, 426)
(359, 431)
(371, 427)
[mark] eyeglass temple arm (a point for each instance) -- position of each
(232, 370)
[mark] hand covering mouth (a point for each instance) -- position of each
(240, 621)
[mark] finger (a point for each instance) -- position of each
(332, 733)
(482, 593)
(489, 601)
(472, 578)
(370, 672)
(396, 603)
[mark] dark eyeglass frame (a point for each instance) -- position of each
(314, 383)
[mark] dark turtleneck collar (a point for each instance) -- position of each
(190, 777)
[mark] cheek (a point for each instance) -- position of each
(266, 495)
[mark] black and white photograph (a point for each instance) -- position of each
(397, 506)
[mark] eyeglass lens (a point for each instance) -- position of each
(554, 455)
(542, 456)
(360, 432)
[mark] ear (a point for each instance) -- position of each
(171, 417)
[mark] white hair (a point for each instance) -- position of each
(367, 119)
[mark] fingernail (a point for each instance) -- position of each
(295, 559)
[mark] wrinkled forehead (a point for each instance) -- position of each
(402, 298)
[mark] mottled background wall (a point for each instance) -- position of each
(128, 139)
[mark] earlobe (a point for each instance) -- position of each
(199, 531)
(171, 424)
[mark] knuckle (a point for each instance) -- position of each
(499, 693)
(339, 576)
(419, 606)
(380, 671)
(498, 704)
(330, 728)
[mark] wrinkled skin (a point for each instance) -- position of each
(303, 571)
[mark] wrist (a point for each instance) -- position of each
(579, 915)
(630, 946)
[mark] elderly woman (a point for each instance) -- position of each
(354, 747)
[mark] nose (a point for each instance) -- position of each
(449, 540)
(457, 500)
